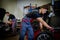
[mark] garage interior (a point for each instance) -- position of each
(17, 8)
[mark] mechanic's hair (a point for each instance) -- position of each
(44, 7)
(7, 13)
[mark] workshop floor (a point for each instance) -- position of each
(12, 38)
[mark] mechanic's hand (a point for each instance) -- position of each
(51, 29)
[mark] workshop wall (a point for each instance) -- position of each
(22, 3)
(16, 6)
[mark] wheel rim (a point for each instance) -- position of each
(43, 37)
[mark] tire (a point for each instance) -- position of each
(44, 36)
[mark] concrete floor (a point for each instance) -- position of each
(13, 38)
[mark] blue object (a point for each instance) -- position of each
(26, 26)
(52, 2)
(14, 24)
(30, 9)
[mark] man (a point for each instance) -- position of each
(26, 25)
(10, 19)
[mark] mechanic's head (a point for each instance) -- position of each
(7, 13)
(43, 10)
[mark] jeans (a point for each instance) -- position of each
(26, 26)
(14, 24)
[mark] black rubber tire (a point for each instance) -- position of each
(45, 36)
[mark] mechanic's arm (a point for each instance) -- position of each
(9, 21)
(41, 26)
(44, 23)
